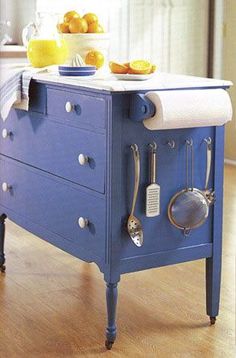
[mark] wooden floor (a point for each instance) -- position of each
(53, 305)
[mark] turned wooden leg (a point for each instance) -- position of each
(213, 279)
(111, 296)
(213, 263)
(2, 237)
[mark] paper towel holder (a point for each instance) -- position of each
(141, 107)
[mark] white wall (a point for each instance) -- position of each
(19, 13)
(229, 72)
(218, 38)
(171, 33)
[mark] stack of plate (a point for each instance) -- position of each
(77, 71)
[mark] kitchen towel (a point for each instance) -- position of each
(14, 87)
(10, 87)
(189, 108)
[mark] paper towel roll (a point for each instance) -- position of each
(189, 108)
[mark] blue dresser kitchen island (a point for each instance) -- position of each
(67, 173)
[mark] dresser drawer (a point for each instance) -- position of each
(53, 204)
(55, 148)
(77, 109)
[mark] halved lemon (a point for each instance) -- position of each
(140, 67)
(116, 67)
(153, 69)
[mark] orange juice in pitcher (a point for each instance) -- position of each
(44, 46)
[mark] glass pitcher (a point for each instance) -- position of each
(44, 45)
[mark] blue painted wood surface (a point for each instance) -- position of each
(2, 238)
(89, 110)
(213, 264)
(50, 190)
(159, 235)
(141, 108)
(111, 298)
(55, 206)
(55, 148)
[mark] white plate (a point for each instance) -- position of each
(130, 77)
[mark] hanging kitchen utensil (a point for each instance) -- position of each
(153, 189)
(134, 225)
(209, 193)
(189, 208)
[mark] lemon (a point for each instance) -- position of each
(63, 27)
(140, 67)
(78, 25)
(153, 69)
(94, 58)
(70, 15)
(90, 18)
(95, 27)
(116, 67)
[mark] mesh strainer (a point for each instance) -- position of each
(189, 208)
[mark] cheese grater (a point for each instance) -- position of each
(153, 189)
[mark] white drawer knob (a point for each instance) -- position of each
(83, 159)
(83, 222)
(5, 133)
(5, 187)
(69, 107)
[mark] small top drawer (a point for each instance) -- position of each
(78, 109)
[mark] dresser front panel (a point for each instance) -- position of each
(86, 111)
(54, 204)
(55, 148)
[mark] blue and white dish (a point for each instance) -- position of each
(77, 71)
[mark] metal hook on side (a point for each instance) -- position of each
(153, 146)
(134, 147)
(171, 143)
(189, 142)
(208, 141)
(186, 232)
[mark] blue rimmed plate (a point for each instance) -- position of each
(77, 71)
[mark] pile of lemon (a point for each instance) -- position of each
(137, 67)
(73, 23)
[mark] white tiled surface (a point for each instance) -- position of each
(109, 83)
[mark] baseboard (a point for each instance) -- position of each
(230, 161)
